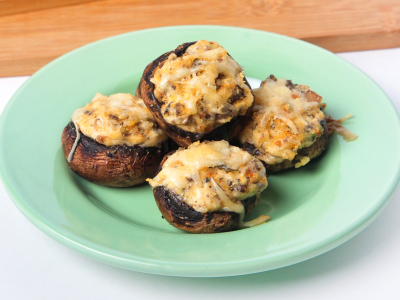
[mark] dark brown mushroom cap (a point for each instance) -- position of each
(115, 166)
(179, 214)
(145, 90)
(184, 217)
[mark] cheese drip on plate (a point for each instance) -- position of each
(202, 89)
(119, 119)
(286, 118)
(212, 176)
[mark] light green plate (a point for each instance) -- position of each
(313, 209)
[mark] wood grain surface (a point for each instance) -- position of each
(32, 33)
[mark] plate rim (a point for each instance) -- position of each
(47, 228)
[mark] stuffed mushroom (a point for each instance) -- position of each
(114, 141)
(288, 126)
(209, 187)
(197, 92)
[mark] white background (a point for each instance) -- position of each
(34, 266)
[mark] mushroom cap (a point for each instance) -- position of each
(181, 215)
(115, 166)
(145, 90)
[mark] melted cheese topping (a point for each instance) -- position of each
(212, 176)
(286, 118)
(202, 89)
(336, 126)
(120, 119)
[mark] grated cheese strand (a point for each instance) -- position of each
(78, 136)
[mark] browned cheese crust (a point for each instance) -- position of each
(145, 90)
(288, 127)
(114, 166)
(312, 152)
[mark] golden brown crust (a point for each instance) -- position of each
(182, 216)
(145, 90)
(311, 152)
(115, 166)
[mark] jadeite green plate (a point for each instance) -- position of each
(313, 209)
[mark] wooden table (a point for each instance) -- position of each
(32, 33)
